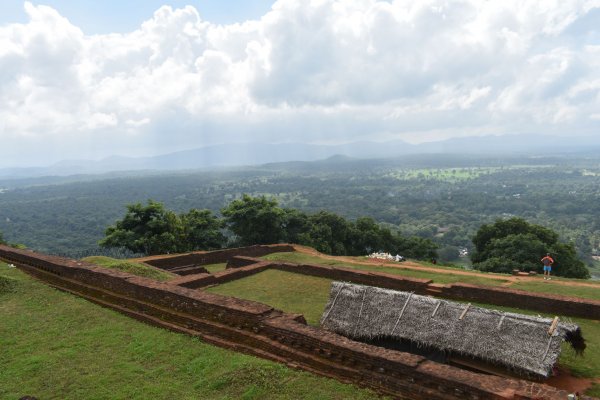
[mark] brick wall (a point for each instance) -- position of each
(543, 302)
(214, 257)
(258, 329)
(379, 279)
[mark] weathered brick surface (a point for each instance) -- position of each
(241, 261)
(214, 257)
(228, 275)
(189, 270)
(258, 329)
(379, 279)
(549, 303)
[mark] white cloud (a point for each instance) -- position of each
(319, 70)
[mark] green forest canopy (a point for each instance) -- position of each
(443, 198)
(516, 244)
(152, 229)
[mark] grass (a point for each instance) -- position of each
(587, 366)
(302, 258)
(135, 268)
(58, 346)
(7, 285)
(294, 293)
(212, 268)
(585, 292)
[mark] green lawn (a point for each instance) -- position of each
(135, 268)
(212, 268)
(55, 345)
(301, 258)
(294, 293)
(585, 292)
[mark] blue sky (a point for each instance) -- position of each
(90, 79)
(107, 16)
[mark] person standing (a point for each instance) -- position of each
(547, 261)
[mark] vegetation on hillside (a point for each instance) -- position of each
(152, 229)
(260, 220)
(443, 198)
(516, 244)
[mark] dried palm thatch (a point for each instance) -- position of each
(523, 344)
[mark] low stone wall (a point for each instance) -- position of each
(240, 261)
(258, 329)
(548, 303)
(214, 257)
(542, 302)
(228, 275)
(379, 279)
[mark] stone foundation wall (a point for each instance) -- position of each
(260, 330)
(214, 257)
(379, 279)
(543, 302)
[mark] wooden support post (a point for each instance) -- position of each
(333, 303)
(553, 326)
(401, 312)
(465, 311)
(436, 309)
(501, 321)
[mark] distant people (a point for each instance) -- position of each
(547, 261)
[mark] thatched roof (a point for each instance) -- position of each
(517, 342)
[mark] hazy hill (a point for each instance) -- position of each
(241, 154)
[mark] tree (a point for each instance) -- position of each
(149, 229)
(295, 225)
(201, 231)
(255, 220)
(516, 244)
(449, 253)
(152, 229)
(329, 228)
(416, 247)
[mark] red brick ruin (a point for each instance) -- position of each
(258, 329)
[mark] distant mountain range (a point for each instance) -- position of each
(241, 154)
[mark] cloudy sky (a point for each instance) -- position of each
(87, 79)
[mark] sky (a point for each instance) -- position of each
(87, 79)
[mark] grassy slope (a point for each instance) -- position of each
(58, 346)
(135, 268)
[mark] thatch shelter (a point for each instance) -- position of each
(461, 333)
